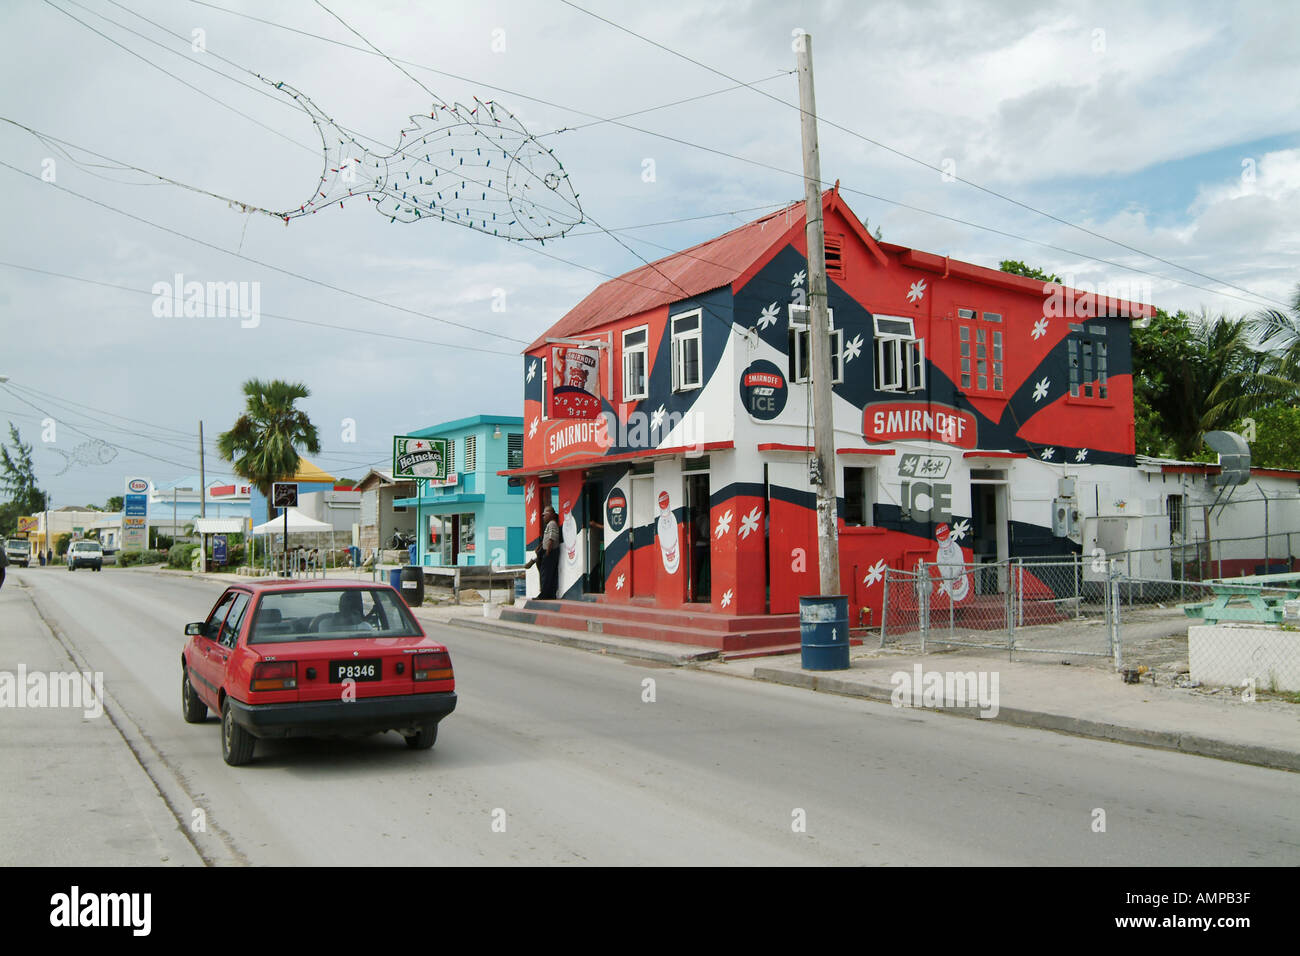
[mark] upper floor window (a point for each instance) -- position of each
(471, 452)
(546, 391)
(900, 355)
(834, 256)
(686, 351)
(801, 345)
(515, 450)
(980, 352)
(1087, 358)
(635, 354)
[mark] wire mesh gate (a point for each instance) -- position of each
(1065, 607)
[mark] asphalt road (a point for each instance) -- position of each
(559, 745)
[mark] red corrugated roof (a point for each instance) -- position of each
(699, 269)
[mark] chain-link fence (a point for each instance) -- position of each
(1091, 607)
(1029, 606)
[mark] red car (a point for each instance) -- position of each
(307, 658)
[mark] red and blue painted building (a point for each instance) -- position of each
(668, 418)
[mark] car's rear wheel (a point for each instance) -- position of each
(424, 738)
(236, 742)
(192, 706)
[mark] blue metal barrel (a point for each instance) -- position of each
(824, 632)
(521, 588)
(395, 578)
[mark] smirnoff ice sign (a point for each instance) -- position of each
(910, 421)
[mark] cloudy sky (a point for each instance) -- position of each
(1170, 131)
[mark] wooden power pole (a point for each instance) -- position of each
(823, 470)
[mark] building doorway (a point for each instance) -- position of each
(989, 536)
(645, 560)
(593, 516)
(698, 525)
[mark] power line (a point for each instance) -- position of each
(267, 265)
(915, 159)
(271, 315)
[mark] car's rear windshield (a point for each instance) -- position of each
(329, 613)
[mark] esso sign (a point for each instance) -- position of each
(137, 486)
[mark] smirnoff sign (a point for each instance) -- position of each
(901, 421)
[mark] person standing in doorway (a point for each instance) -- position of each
(548, 555)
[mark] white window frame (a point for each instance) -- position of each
(643, 349)
(799, 324)
(868, 491)
(679, 341)
(546, 392)
(900, 356)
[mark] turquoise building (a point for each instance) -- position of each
(475, 517)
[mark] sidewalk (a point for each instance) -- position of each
(1047, 695)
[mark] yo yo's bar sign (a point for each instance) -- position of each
(417, 457)
(575, 386)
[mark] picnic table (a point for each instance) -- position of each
(1243, 599)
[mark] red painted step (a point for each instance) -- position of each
(654, 624)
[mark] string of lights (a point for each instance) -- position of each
(1255, 298)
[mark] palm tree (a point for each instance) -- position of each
(1199, 373)
(263, 443)
(1278, 332)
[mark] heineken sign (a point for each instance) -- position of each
(419, 457)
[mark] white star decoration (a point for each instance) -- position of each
(852, 349)
(726, 598)
(1048, 453)
(798, 278)
(1040, 390)
(724, 524)
(749, 523)
(1081, 455)
(768, 316)
(532, 371)
(529, 490)
(532, 427)
(960, 530)
(618, 585)
(875, 573)
(657, 418)
(917, 291)
(1040, 329)
(532, 516)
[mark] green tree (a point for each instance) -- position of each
(18, 475)
(1277, 437)
(1279, 333)
(1017, 268)
(263, 443)
(1197, 373)
(114, 503)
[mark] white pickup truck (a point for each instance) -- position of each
(18, 551)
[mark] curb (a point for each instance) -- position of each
(583, 643)
(1194, 744)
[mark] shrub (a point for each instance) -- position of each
(181, 555)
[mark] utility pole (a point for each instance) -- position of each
(203, 505)
(823, 466)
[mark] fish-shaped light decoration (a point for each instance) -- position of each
(87, 454)
(477, 167)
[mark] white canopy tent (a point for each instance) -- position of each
(297, 523)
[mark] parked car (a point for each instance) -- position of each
(85, 554)
(306, 659)
(18, 551)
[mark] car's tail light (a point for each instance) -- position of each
(435, 666)
(275, 675)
